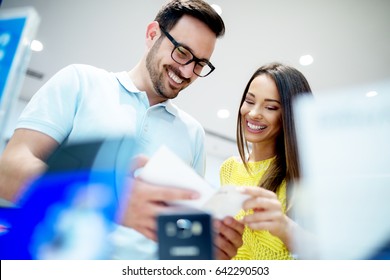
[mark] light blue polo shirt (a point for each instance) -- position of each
(82, 102)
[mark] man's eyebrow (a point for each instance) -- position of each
(191, 50)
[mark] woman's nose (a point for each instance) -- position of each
(255, 113)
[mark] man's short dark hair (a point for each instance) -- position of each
(171, 12)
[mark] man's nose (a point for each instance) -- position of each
(187, 70)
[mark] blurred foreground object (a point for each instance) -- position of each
(344, 193)
(69, 211)
(185, 235)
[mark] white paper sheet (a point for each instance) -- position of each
(166, 169)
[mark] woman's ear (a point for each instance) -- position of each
(153, 32)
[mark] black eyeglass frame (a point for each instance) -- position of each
(194, 58)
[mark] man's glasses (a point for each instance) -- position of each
(184, 56)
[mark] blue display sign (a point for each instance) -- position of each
(10, 35)
(17, 29)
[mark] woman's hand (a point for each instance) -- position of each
(267, 214)
(228, 237)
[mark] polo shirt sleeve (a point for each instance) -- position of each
(199, 163)
(52, 109)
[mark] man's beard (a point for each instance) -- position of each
(155, 77)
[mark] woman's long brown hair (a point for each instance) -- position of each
(290, 83)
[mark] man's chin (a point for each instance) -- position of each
(172, 92)
(170, 95)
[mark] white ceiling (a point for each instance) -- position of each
(349, 40)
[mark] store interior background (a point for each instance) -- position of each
(349, 41)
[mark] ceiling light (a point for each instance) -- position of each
(217, 8)
(36, 46)
(306, 60)
(371, 93)
(223, 113)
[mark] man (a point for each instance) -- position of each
(82, 102)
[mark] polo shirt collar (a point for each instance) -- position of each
(128, 84)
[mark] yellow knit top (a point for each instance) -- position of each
(257, 244)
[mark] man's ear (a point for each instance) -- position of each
(153, 32)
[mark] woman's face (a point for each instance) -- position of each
(261, 111)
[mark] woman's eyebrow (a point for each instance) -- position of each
(267, 99)
(272, 100)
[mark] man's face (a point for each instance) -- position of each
(169, 77)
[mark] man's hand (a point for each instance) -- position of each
(145, 201)
(228, 237)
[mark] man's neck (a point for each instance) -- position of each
(138, 76)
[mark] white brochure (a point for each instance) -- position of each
(166, 169)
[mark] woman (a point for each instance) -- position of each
(267, 146)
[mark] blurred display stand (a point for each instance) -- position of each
(343, 198)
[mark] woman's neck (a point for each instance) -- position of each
(261, 152)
